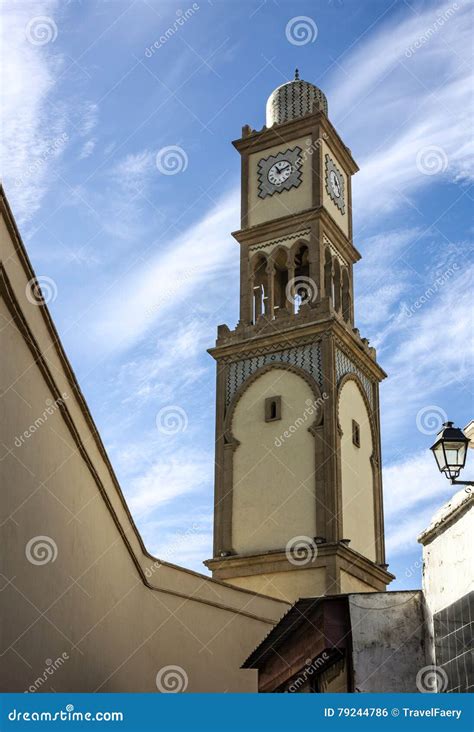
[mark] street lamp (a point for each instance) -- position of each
(450, 451)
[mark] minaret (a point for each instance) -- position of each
(298, 488)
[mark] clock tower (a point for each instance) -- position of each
(298, 489)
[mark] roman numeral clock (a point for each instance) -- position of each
(298, 489)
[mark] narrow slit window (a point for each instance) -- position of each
(355, 433)
(272, 409)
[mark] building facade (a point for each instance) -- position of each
(298, 486)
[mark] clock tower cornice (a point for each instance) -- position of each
(316, 124)
(327, 325)
(291, 224)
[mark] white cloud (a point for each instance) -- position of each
(87, 149)
(166, 283)
(166, 480)
(29, 124)
(418, 101)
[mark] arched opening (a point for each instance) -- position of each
(260, 287)
(328, 283)
(337, 285)
(305, 289)
(280, 260)
(346, 296)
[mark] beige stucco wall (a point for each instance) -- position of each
(90, 601)
(448, 557)
(356, 472)
(349, 583)
(288, 586)
(273, 486)
(279, 204)
(341, 219)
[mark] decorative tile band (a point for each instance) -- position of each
(344, 366)
(328, 242)
(285, 240)
(306, 357)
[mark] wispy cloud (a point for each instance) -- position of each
(29, 124)
(421, 101)
(166, 283)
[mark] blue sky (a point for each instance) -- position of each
(141, 264)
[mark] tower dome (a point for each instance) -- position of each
(294, 99)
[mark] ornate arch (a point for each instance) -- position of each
(229, 437)
(353, 377)
(295, 247)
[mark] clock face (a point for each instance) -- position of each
(279, 172)
(335, 184)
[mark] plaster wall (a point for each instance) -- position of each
(341, 219)
(85, 593)
(356, 471)
(448, 559)
(279, 204)
(273, 476)
(288, 586)
(388, 641)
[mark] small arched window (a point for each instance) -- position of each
(272, 409)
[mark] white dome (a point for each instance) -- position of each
(294, 99)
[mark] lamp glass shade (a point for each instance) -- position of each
(450, 452)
